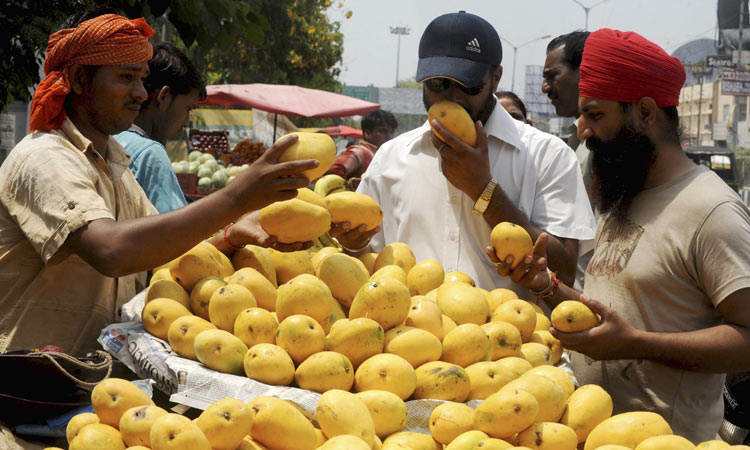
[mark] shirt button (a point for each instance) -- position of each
(71, 205)
(452, 236)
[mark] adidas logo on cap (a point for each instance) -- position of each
(473, 46)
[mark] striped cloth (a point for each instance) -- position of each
(107, 40)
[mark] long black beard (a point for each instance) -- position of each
(619, 168)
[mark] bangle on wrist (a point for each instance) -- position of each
(353, 250)
(550, 290)
(226, 240)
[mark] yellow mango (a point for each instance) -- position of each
(386, 302)
(442, 381)
(227, 303)
(225, 423)
(290, 264)
(386, 372)
(270, 364)
(354, 207)
(258, 258)
(388, 411)
(168, 289)
(357, 339)
(509, 239)
(487, 377)
(520, 313)
(396, 253)
(460, 277)
(201, 294)
(77, 422)
(549, 396)
(196, 264)
(548, 436)
(310, 145)
(340, 412)
(324, 371)
(587, 407)
(542, 322)
(322, 254)
(255, 326)
(448, 420)
(497, 297)
(413, 344)
(295, 221)
(455, 119)
(113, 396)
(668, 442)
(300, 336)
(262, 289)
(465, 345)
(176, 432)
(425, 314)
(345, 442)
(310, 196)
(163, 273)
(97, 436)
(182, 333)
(368, 259)
(467, 440)
(343, 275)
(221, 351)
(506, 412)
(713, 444)
(537, 354)
(410, 440)
(572, 316)
(304, 294)
(389, 271)
(517, 365)
(463, 303)
(328, 184)
(425, 276)
(628, 429)
(558, 376)
(279, 425)
(492, 444)
(158, 315)
(505, 339)
(448, 325)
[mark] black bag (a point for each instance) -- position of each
(38, 385)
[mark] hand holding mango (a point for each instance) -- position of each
(455, 119)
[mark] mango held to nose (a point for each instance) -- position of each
(318, 146)
(454, 117)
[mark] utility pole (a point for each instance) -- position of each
(586, 9)
(700, 104)
(739, 69)
(515, 50)
(399, 31)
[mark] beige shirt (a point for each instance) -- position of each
(682, 251)
(52, 185)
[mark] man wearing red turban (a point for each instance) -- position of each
(672, 255)
(77, 232)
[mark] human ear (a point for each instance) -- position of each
(496, 75)
(163, 97)
(645, 109)
(78, 78)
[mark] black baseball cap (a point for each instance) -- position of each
(460, 46)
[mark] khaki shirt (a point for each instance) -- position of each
(682, 250)
(52, 184)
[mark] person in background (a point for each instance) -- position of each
(514, 105)
(174, 87)
(443, 198)
(670, 275)
(560, 83)
(377, 128)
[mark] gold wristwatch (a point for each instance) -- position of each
(480, 206)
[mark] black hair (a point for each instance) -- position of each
(573, 47)
(378, 118)
(674, 129)
(171, 67)
(515, 99)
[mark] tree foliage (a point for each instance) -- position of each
(239, 41)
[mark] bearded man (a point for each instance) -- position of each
(671, 266)
(443, 198)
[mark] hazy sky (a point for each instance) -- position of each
(370, 49)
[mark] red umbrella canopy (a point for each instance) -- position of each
(286, 99)
(342, 130)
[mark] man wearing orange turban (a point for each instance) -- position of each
(77, 233)
(672, 256)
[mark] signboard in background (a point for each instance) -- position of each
(700, 69)
(735, 82)
(720, 131)
(720, 61)
(7, 135)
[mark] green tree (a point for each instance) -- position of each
(26, 25)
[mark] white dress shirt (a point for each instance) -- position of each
(537, 172)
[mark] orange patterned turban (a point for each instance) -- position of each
(107, 40)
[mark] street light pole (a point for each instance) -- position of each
(515, 50)
(399, 31)
(586, 9)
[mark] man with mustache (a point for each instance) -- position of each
(444, 198)
(670, 275)
(77, 233)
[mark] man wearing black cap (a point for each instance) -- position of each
(443, 198)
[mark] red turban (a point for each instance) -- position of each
(624, 67)
(107, 40)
